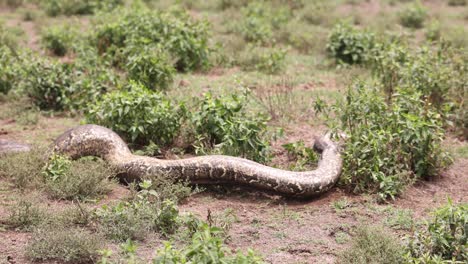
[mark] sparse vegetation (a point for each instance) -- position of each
(64, 244)
(413, 16)
(372, 245)
(77, 180)
(138, 114)
(443, 238)
(224, 125)
(350, 45)
(253, 79)
(389, 145)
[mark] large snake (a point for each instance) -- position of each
(93, 140)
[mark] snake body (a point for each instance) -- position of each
(93, 140)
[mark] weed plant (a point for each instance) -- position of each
(139, 115)
(63, 244)
(413, 16)
(388, 146)
(443, 238)
(223, 125)
(371, 245)
(349, 45)
(146, 213)
(76, 180)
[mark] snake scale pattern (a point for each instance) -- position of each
(93, 140)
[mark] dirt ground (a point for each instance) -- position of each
(282, 230)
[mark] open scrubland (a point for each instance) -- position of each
(253, 79)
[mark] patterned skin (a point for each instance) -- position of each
(93, 140)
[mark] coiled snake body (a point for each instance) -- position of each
(93, 140)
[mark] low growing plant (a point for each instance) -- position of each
(223, 125)
(349, 45)
(58, 40)
(371, 245)
(182, 37)
(147, 212)
(443, 238)
(389, 145)
(63, 244)
(413, 16)
(25, 215)
(138, 114)
(304, 157)
(267, 60)
(76, 180)
(150, 67)
(206, 247)
(23, 169)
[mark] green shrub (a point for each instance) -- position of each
(169, 188)
(387, 65)
(389, 145)
(58, 40)
(8, 69)
(304, 157)
(444, 237)
(23, 169)
(349, 45)
(223, 125)
(48, 83)
(437, 73)
(183, 38)
(413, 16)
(24, 215)
(76, 180)
(7, 38)
(78, 7)
(433, 31)
(260, 20)
(150, 67)
(457, 2)
(372, 246)
(267, 60)
(147, 212)
(63, 244)
(138, 114)
(206, 247)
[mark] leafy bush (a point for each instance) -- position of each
(268, 60)
(457, 2)
(433, 31)
(77, 180)
(206, 247)
(8, 69)
(389, 145)
(78, 7)
(7, 38)
(23, 169)
(303, 156)
(58, 39)
(349, 45)
(223, 125)
(134, 219)
(184, 39)
(372, 245)
(260, 20)
(413, 16)
(150, 67)
(63, 244)
(25, 215)
(444, 237)
(138, 114)
(436, 73)
(48, 83)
